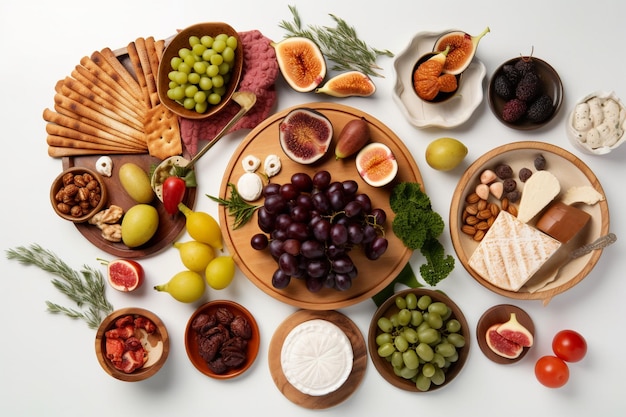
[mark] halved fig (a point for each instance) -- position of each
(348, 84)
(462, 50)
(501, 345)
(305, 135)
(301, 62)
(514, 331)
(376, 164)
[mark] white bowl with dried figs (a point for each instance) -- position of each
(519, 211)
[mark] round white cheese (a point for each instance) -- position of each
(316, 357)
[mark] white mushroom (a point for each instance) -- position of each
(104, 166)
(251, 163)
(272, 165)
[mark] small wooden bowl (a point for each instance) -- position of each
(388, 308)
(552, 86)
(57, 184)
(181, 40)
(441, 97)
(191, 339)
(499, 314)
(158, 343)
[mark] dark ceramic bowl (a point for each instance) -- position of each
(496, 315)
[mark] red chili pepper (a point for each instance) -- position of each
(173, 193)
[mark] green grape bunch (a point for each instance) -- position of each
(421, 340)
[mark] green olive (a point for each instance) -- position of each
(136, 183)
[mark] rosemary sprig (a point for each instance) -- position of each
(340, 44)
(237, 206)
(85, 287)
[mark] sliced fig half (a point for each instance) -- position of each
(348, 84)
(377, 164)
(501, 345)
(301, 62)
(514, 331)
(462, 49)
(305, 135)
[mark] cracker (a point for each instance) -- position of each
(162, 133)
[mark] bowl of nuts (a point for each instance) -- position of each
(77, 194)
(499, 218)
(222, 339)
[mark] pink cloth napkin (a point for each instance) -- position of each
(259, 73)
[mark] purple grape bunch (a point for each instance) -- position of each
(310, 225)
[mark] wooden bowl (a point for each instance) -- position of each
(384, 367)
(192, 339)
(181, 40)
(441, 97)
(157, 345)
(571, 172)
(500, 314)
(552, 86)
(57, 184)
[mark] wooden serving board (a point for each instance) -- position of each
(259, 266)
(170, 227)
(570, 172)
(358, 366)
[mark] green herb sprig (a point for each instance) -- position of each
(340, 44)
(237, 206)
(85, 287)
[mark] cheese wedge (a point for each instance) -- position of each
(539, 190)
(511, 252)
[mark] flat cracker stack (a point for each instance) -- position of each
(103, 108)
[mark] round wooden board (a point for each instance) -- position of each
(497, 315)
(358, 366)
(170, 227)
(259, 266)
(570, 172)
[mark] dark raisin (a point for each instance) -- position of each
(504, 171)
(509, 185)
(524, 174)
(513, 196)
(540, 163)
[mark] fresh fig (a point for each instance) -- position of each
(514, 331)
(352, 138)
(301, 62)
(501, 345)
(347, 84)
(305, 135)
(462, 49)
(377, 164)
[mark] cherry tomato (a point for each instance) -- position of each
(569, 345)
(173, 193)
(551, 371)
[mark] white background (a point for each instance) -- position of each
(47, 362)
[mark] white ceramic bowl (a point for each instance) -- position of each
(580, 139)
(453, 112)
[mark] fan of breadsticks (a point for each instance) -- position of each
(104, 108)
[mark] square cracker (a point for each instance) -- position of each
(162, 132)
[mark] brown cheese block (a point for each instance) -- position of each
(562, 221)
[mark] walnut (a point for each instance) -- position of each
(112, 232)
(107, 216)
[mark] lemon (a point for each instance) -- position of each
(139, 224)
(202, 227)
(185, 286)
(220, 272)
(444, 154)
(195, 255)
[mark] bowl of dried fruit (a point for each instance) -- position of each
(525, 93)
(419, 340)
(200, 70)
(77, 194)
(132, 344)
(222, 339)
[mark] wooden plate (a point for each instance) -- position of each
(358, 367)
(500, 314)
(570, 171)
(170, 227)
(259, 266)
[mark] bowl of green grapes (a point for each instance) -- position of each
(419, 340)
(200, 69)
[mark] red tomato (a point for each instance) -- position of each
(551, 371)
(569, 345)
(173, 193)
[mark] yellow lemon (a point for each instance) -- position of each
(220, 272)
